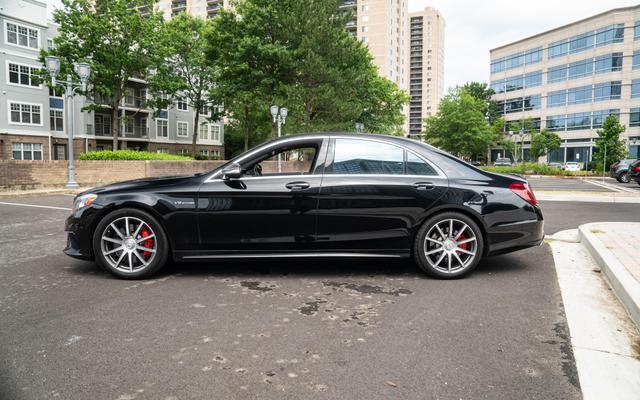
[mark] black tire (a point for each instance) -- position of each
(623, 178)
(422, 245)
(157, 259)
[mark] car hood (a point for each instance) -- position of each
(142, 184)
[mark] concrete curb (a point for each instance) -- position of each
(624, 285)
(590, 198)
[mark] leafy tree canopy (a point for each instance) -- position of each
(544, 142)
(609, 142)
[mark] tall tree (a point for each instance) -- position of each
(484, 92)
(460, 126)
(609, 142)
(118, 38)
(186, 73)
(297, 54)
(544, 142)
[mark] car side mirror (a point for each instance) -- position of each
(232, 171)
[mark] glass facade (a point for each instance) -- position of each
(520, 104)
(578, 121)
(635, 88)
(585, 94)
(587, 67)
(588, 40)
(517, 82)
(528, 57)
(634, 117)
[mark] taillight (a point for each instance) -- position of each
(524, 191)
(636, 168)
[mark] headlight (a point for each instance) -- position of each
(83, 201)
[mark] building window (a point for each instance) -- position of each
(56, 120)
(162, 151)
(636, 59)
(634, 117)
(27, 151)
(365, 29)
(183, 129)
(23, 75)
(635, 88)
(215, 133)
(55, 92)
(162, 128)
(204, 152)
(584, 41)
(182, 105)
(516, 60)
(600, 116)
(579, 95)
(607, 91)
(184, 152)
(216, 154)
(204, 131)
(25, 113)
(21, 35)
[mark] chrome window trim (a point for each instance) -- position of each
(440, 174)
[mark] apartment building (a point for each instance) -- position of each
(382, 25)
(569, 79)
(426, 66)
(32, 116)
(202, 8)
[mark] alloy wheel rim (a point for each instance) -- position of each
(450, 246)
(129, 244)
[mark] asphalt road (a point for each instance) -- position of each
(326, 330)
(581, 185)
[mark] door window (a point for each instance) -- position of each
(296, 160)
(353, 156)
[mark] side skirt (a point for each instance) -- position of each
(241, 256)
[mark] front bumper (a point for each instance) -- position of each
(80, 226)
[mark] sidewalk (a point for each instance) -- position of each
(614, 245)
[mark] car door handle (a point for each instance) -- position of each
(297, 185)
(424, 185)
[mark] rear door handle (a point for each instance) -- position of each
(297, 185)
(424, 185)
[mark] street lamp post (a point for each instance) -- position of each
(279, 115)
(83, 71)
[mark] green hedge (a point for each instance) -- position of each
(130, 155)
(534, 169)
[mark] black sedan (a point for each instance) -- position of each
(319, 195)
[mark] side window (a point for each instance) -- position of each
(416, 166)
(297, 160)
(354, 156)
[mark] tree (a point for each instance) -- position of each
(297, 54)
(118, 38)
(461, 126)
(544, 142)
(609, 142)
(186, 73)
(484, 92)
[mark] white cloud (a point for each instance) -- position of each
(474, 27)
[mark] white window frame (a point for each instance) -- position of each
(22, 151)
(166, 125)
(56, 110)
(202, 130)
(183, 123)
(19, 64)
(18, 25)
(180, 101)
(10, 102)
(215, 127)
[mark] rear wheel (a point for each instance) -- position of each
(448, 245)
(623, 178)
(130, 244)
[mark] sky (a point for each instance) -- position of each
(473, 27)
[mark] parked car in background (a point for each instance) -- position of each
(502, 162)
(620, 170)
(555, 165)
(571, 166)
(634, 171)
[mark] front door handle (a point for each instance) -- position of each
(297, 185)
(424, 185)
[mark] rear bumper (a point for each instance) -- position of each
(515, 236)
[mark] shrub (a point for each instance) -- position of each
(534, 169)
(104, 155)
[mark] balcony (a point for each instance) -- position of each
(178, 6)
(348, 4)
(214, 7)
(136, 131)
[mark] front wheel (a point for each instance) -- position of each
(623, 178)
(448, 245)
(130, 244)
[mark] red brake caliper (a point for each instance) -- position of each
(144, 232)
(463, 246)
